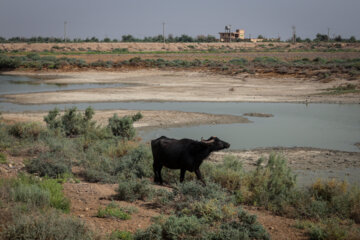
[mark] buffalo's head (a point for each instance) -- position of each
(216, 143)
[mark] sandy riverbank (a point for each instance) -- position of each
(157, 85)
(150, 120)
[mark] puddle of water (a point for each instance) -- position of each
(23, 84)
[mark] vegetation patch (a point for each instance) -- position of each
(50, 225)
(343, 89)
(112, 211)
(3, 159)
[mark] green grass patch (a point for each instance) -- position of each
(112, 211)
(121, 235)
(3, 159)
(44, 193)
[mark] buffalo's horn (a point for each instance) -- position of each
(210, 141)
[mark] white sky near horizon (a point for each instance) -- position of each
(140, 18)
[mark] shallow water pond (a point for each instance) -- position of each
(22, 84)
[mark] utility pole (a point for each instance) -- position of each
(328, 34)
(65, 31)
(294, 34)
(229, 33)
(163, 32)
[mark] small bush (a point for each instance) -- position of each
(3, 159)
(46, 226)
(192, 190)
(121, 235)
(31, 194)
(72, 123)
(48, 164)
(211, 210)
(26, 130)
(57, 198)
(112, 211)
(134, 189)
(229, 174)
(238, 61)
(244, 227)
(123, 127)
(138, 162)
(173, 228)
(45, 193)
(270, 186)
(327, 190)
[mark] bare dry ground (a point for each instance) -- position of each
(151, 47)
(157, 85)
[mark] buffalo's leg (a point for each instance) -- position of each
(199, 177)
(182, 174)
(157, 174)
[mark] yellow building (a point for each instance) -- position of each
(232, 36)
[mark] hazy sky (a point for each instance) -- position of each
(114, 18)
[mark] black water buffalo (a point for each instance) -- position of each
(184, 154)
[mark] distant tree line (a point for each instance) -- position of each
(124, 38)
(325, 38)
(170, 38)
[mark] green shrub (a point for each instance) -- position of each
(3, 159)
(238, 61)
(8, 62)
(173, 228)
(210, 210)
(57, 198)
(244, 227)
(31, 194)
(138, 162)
(134, 161)
(193, 190)
(154, 232)
(48, 164)
(45, 193)
(182, 228)
(49, 225)
(123, 127)
(229, 174)
(332, 229)
(134, 189)
(26, 130)
(271, 185)
(112, 211)
(121, 235)
(327, 190)
(72, 123)
(75, 123)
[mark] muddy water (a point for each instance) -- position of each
(22, 84)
